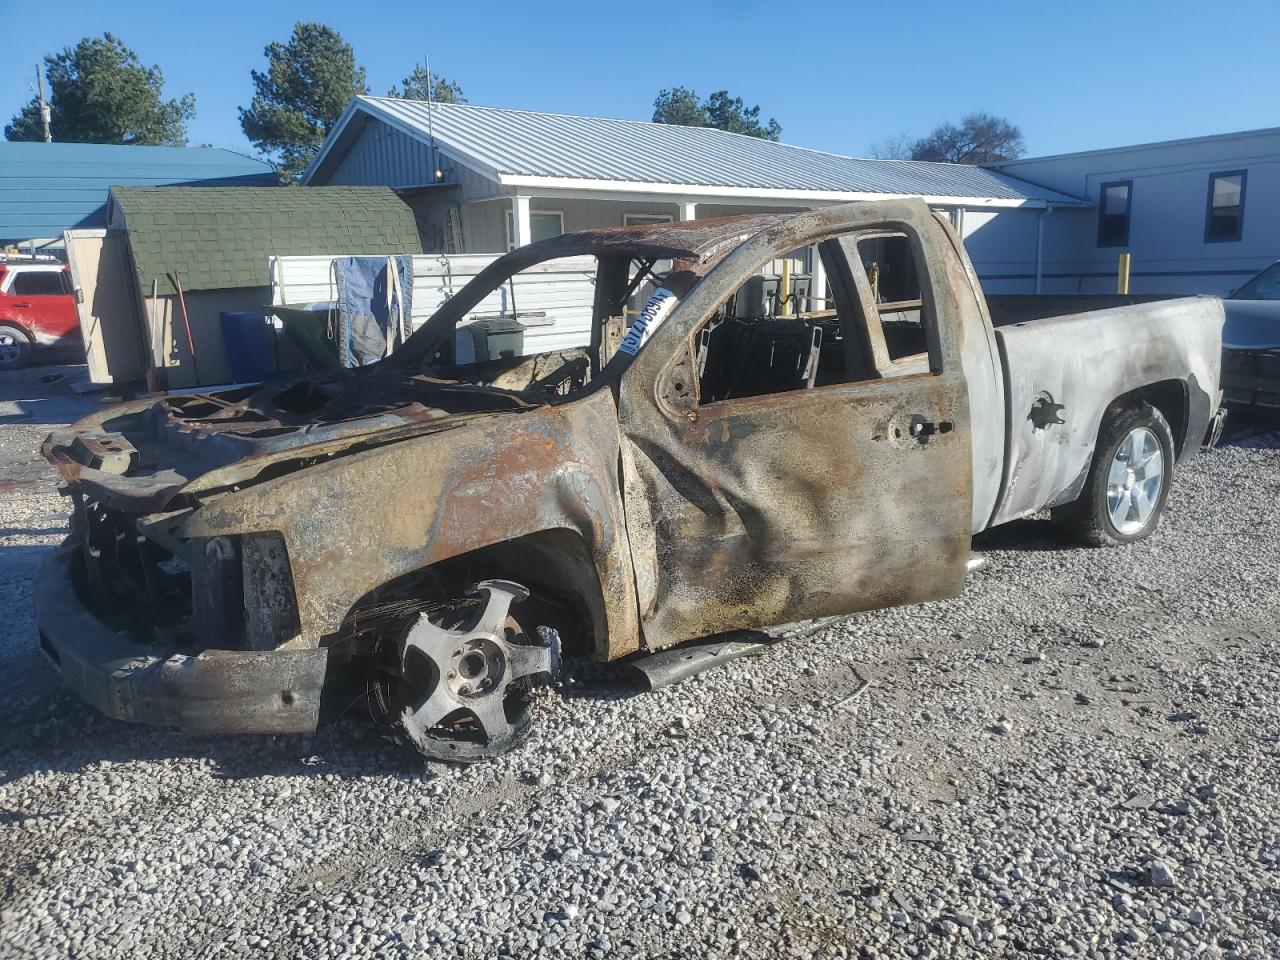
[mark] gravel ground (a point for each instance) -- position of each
(1077, 757)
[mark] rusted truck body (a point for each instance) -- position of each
(256, 559)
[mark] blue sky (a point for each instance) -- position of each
(837, 76)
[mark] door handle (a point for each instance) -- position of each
(921, 429)
(22, 303)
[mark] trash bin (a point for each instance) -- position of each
(249, 342)
(306, 327)
(497, 338)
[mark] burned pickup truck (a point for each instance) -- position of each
(425, 535)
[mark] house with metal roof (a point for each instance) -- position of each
(1197, 215)
(46, 188)
(485, 180)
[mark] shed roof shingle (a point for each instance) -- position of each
(215, 239)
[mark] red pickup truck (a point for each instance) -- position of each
(37, 311)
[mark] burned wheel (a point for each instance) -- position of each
(466, 670)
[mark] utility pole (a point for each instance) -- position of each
(436, 174)
(45, 113)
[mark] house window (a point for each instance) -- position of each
(1224, 219)
(542, 224)
(545, 223)
(1113, 213)
(644, 219)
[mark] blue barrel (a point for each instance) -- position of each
(250, 345)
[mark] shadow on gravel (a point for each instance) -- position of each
(23, 559)
(52, 730)
(60, 530)
(1022, 535)
(60, 733)
(45, 396)
(1252, 431)
(583, 679)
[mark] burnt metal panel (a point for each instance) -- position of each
(776, 508)
(359, 521)
(217, 691)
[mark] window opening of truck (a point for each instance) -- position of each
(777, 333)
(890, 266)
(1264, 286)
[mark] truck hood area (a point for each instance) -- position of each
(144, 455)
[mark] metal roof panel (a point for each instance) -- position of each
(46, 188)
(525, 143)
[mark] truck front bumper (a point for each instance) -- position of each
(217, 691)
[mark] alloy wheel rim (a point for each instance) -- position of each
(10, 350)
(1135, 481)
(472, 669)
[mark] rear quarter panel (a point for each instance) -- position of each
(1071, 368)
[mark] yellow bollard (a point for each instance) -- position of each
(1122, 277)
(784, 288)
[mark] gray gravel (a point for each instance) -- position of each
(1078, 757)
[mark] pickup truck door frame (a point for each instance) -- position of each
(772, 509)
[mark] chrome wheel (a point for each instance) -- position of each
(1135, 481)
(465, 686)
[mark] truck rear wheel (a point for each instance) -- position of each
(1128, 483)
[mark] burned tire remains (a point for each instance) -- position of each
(464, 672)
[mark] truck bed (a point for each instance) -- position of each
(1062, 372)
(1006, 309)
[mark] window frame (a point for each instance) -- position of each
(509, 224)
(1208, 209)
(882, 357)
(1128, 211)
(63, 282)
(934, 362)
(630, 219)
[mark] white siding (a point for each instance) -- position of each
(382, 155)
(563, 290)
(1002, 246)
(1167, 214)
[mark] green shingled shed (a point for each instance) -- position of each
(216, 243)
(218, 238)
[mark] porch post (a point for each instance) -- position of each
(817, 279)
(520, 220)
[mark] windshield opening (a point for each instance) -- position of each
(548, 329)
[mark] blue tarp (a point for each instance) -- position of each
(375, 306)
